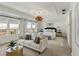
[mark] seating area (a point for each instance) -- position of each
(31, 44)
(39, 29)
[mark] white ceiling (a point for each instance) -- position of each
(47, 9)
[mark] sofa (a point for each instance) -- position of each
(31, 44)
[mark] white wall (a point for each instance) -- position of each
(71, 32)
(75, 48)
(71, 36)
(68, 29)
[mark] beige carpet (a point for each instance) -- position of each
(57, 47)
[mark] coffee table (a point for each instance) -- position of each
(18, 51)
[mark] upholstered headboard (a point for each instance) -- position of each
(52, 28)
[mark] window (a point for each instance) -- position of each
(9, 25)
(3, 26)
(33, 26)
(13, 26)
(30, 27)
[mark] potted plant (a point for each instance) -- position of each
(12, 44)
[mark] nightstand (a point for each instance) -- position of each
(58, 34)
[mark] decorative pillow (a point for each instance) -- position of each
(37, 40)
(28, 37)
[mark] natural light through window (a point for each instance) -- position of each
(33, 26)
(3, 26)
(14, 26)
(28, 25)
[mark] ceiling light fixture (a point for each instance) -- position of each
(38, 18)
